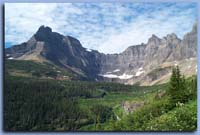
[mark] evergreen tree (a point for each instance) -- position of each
(177, 89)
(194, 87)
(173, 86)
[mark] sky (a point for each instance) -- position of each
(106, 27)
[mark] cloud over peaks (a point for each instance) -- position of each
(106, 27)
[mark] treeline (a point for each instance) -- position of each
(46, 105)
(38, 105)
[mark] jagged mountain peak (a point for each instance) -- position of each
(154, 36)
(67, 52)
(172, 35)
(43, 33)
(44, 28)
(153, 39)
(194, 28)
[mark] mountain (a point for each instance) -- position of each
(138, 63)
(147, 63)
(63, 51)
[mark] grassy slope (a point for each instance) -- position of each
(28, 68)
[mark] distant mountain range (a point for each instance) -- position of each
(145, 64)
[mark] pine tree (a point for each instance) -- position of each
(194, 89)
(173, 86)
(184, 93)
(177, 89)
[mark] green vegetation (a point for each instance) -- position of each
(35, 69)
(177, 90)
(38, 103)
(182, 118)
(175, 111)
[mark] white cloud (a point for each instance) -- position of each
(107, 27)
(140, 30)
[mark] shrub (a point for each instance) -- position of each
(180, 119)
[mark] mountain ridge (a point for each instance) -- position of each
(131, 65)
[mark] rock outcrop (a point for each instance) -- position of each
(129, 66)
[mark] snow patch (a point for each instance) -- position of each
(123, 76)
(116, 70)
(140, 68)
(10, 58)
(110, 76)
(138, 73)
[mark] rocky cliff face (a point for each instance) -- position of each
(189, 43)
(64, 51)
(127, 67)
(136, 62)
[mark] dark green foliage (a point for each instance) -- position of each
(111, 124)
(102, 113)
(180, 119)
(38, 105)
(35, 68)
(52, 74)
(158, 116)
(46, 105)
(192, 87)
(37, 74)
(178, 90)
(176, 111)
(136, 121)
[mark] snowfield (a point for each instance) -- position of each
(123, 76)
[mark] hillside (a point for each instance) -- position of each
(37, 70)
(35, 103)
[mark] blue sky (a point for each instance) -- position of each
(106, 27)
